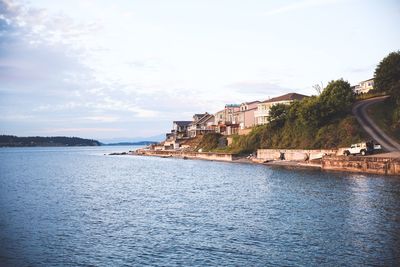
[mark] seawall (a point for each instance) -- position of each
(373, 165)
(326, 159)
(187, 154)
(294, 154)
(331, 159)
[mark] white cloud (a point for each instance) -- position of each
(81, 130)
(299, 5)
(137, 66)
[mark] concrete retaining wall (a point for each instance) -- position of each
(187, 154)
(375, 165)
(293, 154)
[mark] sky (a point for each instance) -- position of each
(128, 68)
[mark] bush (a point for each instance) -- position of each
(209, 142)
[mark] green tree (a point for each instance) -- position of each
(336, 99)
(310, 112)
(387, 75)
(278, 114)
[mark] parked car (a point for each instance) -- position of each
(377, 147)
(362, 148)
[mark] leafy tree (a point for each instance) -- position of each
(336, 99)
(318, 88)
(293, 112)
(387, 79)
(310, 112)
(387, 75)
(278, 114)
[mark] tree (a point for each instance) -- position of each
(318, 88)
(310, 112)
(278, 114)
(336, 99)
(387, 75)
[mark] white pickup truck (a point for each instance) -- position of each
(362, 148)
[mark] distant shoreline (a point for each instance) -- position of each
(61, 141)
(49, 141)
(101, 145)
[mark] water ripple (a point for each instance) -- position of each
(77, 207)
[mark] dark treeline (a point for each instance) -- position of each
(387, 80)
(15, 141)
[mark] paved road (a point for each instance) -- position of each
(359, 110)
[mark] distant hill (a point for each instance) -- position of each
(154, 138)
(141, 143)
(32, 141)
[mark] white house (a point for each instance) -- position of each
(262, 113)
(364, 86)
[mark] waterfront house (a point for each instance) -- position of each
(198, 116)
(226, 121)
(262, 113)
(201, 124)
(179, 131)
(245, 115)
(219, 117)
(364, 86)
(180, 128)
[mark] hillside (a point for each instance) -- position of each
(316, 122)
(294, 135)
(32, 141)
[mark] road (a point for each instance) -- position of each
(379, 136)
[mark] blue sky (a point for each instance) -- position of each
(104, 69)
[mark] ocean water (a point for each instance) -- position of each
(79, 207)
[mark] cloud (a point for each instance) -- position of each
(82, 130)
(106, 72)
(51, 67)
(365, 69)
(298, 5)
(17, 117)
(258, 88)
(103, 118)
(30, 58)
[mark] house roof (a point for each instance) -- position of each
(250, 109)
(200, 115)
(366, 80)
(232, 105)
(182, 123)
(249, 103)
(205, 118)
(287, 97)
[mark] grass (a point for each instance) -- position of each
(381, 113)
(369, 95)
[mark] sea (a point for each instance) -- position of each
(78, 206)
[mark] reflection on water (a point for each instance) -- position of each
(76, 206)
